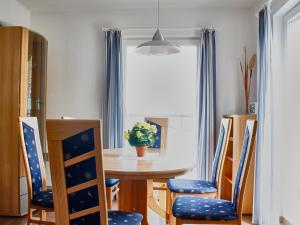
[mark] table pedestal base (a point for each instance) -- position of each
(133, 196)
(136, 196)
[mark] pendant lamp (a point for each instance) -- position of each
(158, 45)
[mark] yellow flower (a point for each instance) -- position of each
(126, 135)
(138, 125)
(139, 134)
(153, 129)
(146, 125)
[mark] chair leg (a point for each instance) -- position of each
(172, 218)
(109, 197)
(42, 215)
(29, 215)
(168, 205)
(240, 222)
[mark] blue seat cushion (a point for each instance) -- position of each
(44, 199)
(111, 182)
(124, 218)
(191, 186)
(198, 208)
(114, 218)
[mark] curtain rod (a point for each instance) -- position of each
(267, 3)
(153, 28)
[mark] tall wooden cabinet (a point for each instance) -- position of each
(23, 57)
(232, 160)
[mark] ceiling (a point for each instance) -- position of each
(93, 5)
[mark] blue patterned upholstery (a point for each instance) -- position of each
(114, 217)
(44, 199)
(200, 186)
(83, 199)
(111, 182)
(33, 160)
(241, 168)
(83, 172)
(197, 208)
(191, 186)
(218, 154)
(157, 142)
(78, 144)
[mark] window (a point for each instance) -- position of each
(163, 86)
(289, 118)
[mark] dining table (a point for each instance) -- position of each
(136, 176)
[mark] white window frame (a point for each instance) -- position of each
(289, 15)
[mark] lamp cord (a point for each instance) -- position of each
(158, 14)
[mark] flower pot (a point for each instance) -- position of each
(141, 150)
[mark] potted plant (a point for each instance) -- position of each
(141, 136)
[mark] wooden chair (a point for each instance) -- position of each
(112, 190)
(112, 185)
(162, 131)
(76, 161)
(199, 210)
(178, 187)
(39, 198)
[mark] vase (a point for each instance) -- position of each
(246, 101)
(141, 150)
(246, 90)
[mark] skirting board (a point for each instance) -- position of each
(284, 221)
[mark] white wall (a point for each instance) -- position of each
(14, 13)
(76, 49)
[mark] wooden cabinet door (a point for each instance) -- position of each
(10, 69)
(37, 78)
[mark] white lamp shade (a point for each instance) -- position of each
(158, 46)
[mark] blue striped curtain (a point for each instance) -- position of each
(264, 188)
(206, 104)
(113, 108)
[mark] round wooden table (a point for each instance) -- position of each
(137, 175)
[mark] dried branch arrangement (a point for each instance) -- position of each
(247, 72)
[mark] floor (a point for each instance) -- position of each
(154, 220)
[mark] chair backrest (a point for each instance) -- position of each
(75, 153)
(161, 137)
(244, 165)
(32, 155)
(224, 133)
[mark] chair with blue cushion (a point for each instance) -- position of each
(161, 137)
(112, 185)
(112, 189)
(39, 197)
(76, 162)
(201, 210)
(203, 188)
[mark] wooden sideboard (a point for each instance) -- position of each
(23, 60)
(232, 160)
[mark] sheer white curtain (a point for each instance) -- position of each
(264, 168)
